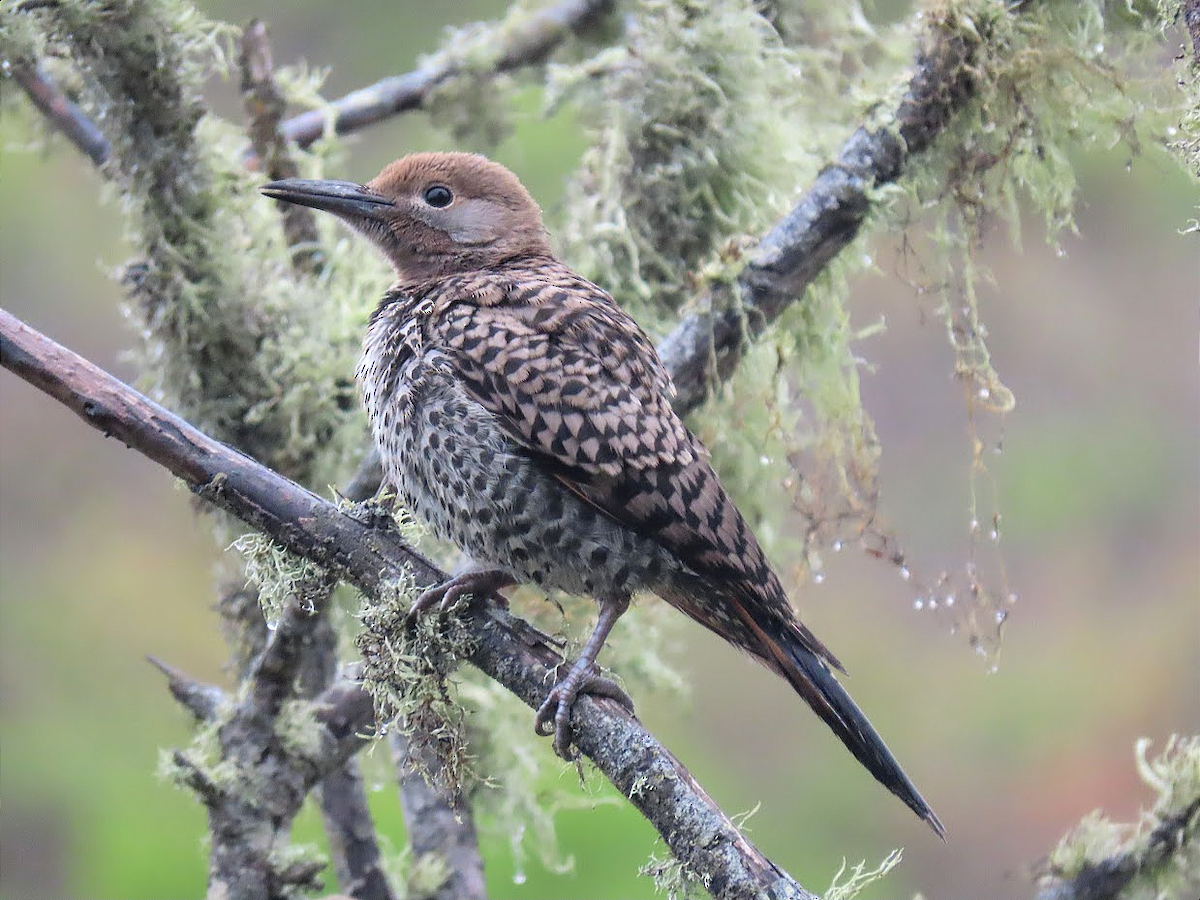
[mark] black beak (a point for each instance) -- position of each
(343, 198)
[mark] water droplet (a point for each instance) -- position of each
(933, 604)
(1060, 253)
(866, 259)
(1001, 615)
(1172, 131)
(994, 534)
(519, 876)
(984, 393)
(7, 66)
(904, 573)
(949, 599)
(918, 604)
(765, 460)
(272, 624)
(993, 669)
(974, 526)
(818, 577)
(1012, 598)
(837, 546)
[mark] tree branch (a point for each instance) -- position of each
(1106, 879)
(62, 113)
(265, 105)
(705, 348)
(506, 648)
(527, 43)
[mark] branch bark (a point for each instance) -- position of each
(62, 113)
(705, 348)
(527, 44)
(700, 835)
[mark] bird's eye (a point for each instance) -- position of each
(438, 196)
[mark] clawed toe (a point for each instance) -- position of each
(554, 715)
(445, 596)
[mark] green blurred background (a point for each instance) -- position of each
(102, 559)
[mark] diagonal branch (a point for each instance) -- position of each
(705, 348)
(527, 42)
(505, 648)
(62, 113)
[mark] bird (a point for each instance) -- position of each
(527, 419)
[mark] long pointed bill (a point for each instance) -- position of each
(342, 198)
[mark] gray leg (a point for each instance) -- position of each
(554, 715)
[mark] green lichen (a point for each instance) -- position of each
(694, 148)
(1158, 856)
(280, 576)
(849, 882)
(1050, 80)
(233, 339)
(673, 879)
(299, 729)
(407, 669)
(426, 874)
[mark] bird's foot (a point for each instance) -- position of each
(449, 592)
(554, 715)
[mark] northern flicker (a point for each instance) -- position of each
(526, 418)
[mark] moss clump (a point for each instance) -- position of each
(693, 151)
(407, 671)
(280, 576)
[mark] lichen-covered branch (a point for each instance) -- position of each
(265, 106)
(706, 347)
(1159, 856)
(524, 41)
(61, 112)
(697, 831)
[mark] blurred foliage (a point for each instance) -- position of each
(1100, 500)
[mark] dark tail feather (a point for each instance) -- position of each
(816, 684)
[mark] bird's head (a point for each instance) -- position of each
(432, 214)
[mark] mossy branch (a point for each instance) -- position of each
(504, 647)
(527, 39)
(58, 109)
(705, 347)
(1157, 857)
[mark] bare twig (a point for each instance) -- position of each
(528, 43)
(200, 699)
(265, 105)
(62, 113)
(504, 647)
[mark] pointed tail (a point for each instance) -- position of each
(814, 682)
